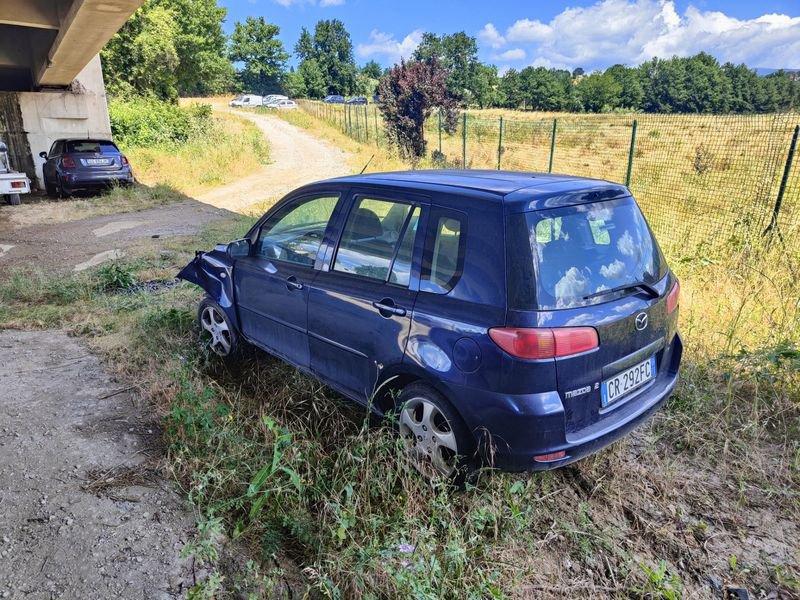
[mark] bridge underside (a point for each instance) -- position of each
(46, 43)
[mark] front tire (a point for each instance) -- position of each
(216, 330)
(437, 440)
(14, 199)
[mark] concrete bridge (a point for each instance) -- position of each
(51, 83)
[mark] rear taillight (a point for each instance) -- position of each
(544, 342)
(68, 162)
(673, 297)
(17, 185)
(125, 160)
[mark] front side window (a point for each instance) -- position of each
(378, 240)
(295, 233)
(444, 253)
(580, 252)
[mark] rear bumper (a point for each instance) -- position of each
(513, 429)
(94, 181)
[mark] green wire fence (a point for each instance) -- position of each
(701, 179)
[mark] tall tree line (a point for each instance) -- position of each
(172, 48)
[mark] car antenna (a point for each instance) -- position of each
(366, 165)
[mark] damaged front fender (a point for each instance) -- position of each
(213, 271)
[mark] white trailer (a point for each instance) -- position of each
(12, 184)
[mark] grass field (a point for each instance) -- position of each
(703, 498)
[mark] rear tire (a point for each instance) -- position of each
(438, 441)
(14, 199)
(50, 189)
(216, 331)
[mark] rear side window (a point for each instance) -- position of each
(576, 253)
(443, 260)
(378, 240)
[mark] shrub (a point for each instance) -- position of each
(152, 122)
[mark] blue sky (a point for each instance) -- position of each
(554, 34)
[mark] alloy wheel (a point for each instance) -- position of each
(429, 437)
(214, 323)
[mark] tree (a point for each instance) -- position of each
(458, 55)
(578, 72)
(411, 92)
(486, 86)
(304, 48)
(372, 69)
(598, 92)
(142, 58)
(543, 89)
(333, 51)
(201, 45)
(169, 48)
(511, 95)
(631, 92)
(254, 43)
(313, 78)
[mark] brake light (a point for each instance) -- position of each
(673, 297)
(68, 162)
(544, 342)
(17, 185)
(125, 160)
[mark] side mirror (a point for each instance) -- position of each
(43, 155)
(239, 248)
(3, 147)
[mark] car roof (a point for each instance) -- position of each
(519, 190)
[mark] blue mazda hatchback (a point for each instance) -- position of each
(518, 318)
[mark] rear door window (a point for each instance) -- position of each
(444, 251)
(578, 252)
(378, 240)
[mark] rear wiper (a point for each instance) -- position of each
(641, 286)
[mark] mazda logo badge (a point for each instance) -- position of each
(641, 321)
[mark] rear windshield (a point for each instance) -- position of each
(574, 252)
(93, 146)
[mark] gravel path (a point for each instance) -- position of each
(83, 512)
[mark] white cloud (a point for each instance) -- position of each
(491, 37)
(632, 31)
(385, 44)
(331, 2)
(513, 54)
(526, 30)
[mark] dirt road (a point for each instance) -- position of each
(297, 158)
(82, 514)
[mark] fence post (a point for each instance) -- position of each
(366, 121)
(464, 142)
(630, 154)
(440, 130)
(552, 146)
(500, 144)
(375, 112)
(773, 223)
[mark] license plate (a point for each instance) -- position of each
(96, 161)
(625, 382)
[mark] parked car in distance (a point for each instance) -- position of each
(12, 183)
(246, 100)
(273, 98)
(357, 100)
(84, 164)
(283, 104)
(528, 319)
(334, 99)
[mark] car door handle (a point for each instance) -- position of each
(293, 284)
(387, 308)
